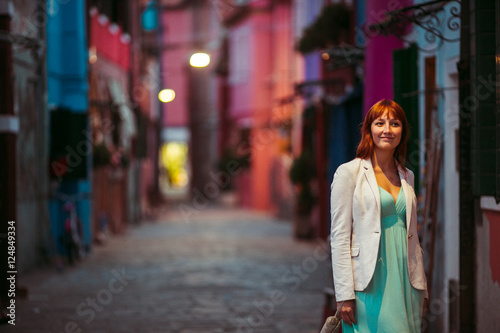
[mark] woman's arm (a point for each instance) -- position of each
(342, 191)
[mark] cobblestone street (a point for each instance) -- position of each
(223, 271)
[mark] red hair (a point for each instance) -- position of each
(366, 146)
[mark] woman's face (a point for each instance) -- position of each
(386, 132)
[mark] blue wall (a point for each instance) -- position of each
(67, 55)
(67, 86)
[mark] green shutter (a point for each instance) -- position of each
(405, 73)
(483, 100)
(498, 102)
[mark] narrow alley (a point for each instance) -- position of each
(221, 271)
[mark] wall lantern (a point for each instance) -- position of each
(199, 60)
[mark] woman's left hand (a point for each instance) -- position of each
(425, 306)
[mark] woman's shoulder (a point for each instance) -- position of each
(352, 164)
(346, 174)
(408, 173)
(350, 167)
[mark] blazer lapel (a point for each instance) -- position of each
(371, 179)
(408, 197)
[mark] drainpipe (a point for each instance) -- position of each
(321, 169)
(160, 119)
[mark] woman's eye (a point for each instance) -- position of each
(395, 124)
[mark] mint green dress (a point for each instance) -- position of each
(389, 304)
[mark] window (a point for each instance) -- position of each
(239, 56)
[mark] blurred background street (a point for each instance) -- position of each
(225, 270)
(224, 121)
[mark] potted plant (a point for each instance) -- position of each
(302, 172)
(230, 164)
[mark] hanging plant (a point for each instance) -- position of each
(101, 155)
(327, 29)
(302, 172)
(230, 164)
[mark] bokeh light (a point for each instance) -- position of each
(199, 60)
(166, 95)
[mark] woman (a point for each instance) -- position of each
(377, 261)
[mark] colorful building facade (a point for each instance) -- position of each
(67, 89)
(260, 78)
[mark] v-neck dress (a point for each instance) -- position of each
(389, 304)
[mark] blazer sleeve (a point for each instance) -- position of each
(411, 181)
(342, 191)
(411, 178)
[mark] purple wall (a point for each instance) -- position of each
(378, 53)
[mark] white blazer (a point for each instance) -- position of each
(356, 225)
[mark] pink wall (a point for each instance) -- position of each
(241, 70)
(262, 67)
(378, 54)
(494, 224)
(252, 63)
(282, 45)
(177, 38)
(260, 73)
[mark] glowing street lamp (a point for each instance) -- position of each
(166, 95)
(199, 60)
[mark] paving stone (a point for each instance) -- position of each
(223, 271)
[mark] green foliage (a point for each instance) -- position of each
(302, 172)
(327, 28)
(230, 162)
(101, 155)
(305, 201)
(230, 157)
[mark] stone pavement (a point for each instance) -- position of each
(226, 270)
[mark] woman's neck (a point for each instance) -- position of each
(383, 160)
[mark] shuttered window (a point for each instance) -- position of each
(498, 100)
(405, 73)
(482, 102)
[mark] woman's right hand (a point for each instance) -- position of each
(346, 313)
